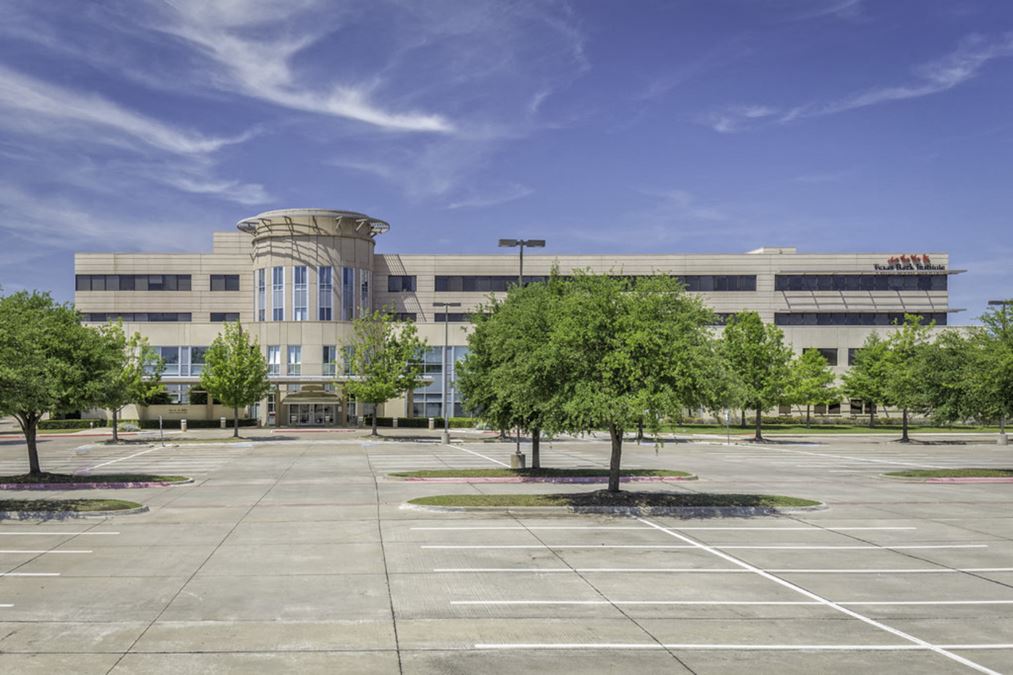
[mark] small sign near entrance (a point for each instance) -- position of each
(909, 262)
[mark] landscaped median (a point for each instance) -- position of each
(692, 504)
(58, 509)
(954, 475)
(108, 481)
(541, 475)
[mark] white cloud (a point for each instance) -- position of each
(31, 104)
(248, 42)
(493, 197)
(737, 117)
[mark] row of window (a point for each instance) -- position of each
(860, 282)
(852, 318)
(138, 317)
(132, 282)
(829, 353)
(500, 283)
(355, 295)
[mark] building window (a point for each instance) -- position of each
(452, 317)
(711, 283)
(197, 355)
(132, 282)
(364, 303)
(828, 353)
(325, 293)
(170, 357)
(329, 360)
(223, 317)
(401, 284)
(300, 294)
(853, 355)
(852, 318)
(294, 360)
(138, 317)
(278, 293)
(409, 317)
(347, 293)
(224, 282)
(261, 293)
(860, 282)
(273, 360)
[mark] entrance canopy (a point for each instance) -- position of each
(312, 393)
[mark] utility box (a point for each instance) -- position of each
(182, 424)
(221, 421)
(393, 423)
(518, 461)
(432, 423)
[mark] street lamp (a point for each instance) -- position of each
(521, 243)
(446, 361)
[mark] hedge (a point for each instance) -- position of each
(71, 424)
(196, 424)
(421, 422)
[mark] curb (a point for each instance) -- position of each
(682, 511)
(952, 480)
(64, 515)
(543, 479)
(121, 485)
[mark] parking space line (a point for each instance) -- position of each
(639, 527)
(121, 459)
(12, 551)
(732, 603)
(478, 454)
(44, 533)
(829, 603)
(29, 574)
(741, 547)
(755, 647)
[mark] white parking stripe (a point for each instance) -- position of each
(637, 527)
(44, 533)
(721, 570)
(829, 603)
(44, 551)
(29, 574)
(756, 647)
(722, 547)
(732, 603)
(478, 454)
(121, 459)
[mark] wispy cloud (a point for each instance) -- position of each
(32, 104)
(731, 119)
(934, 77)
(842, 9)
(492, 197)
(249, 42)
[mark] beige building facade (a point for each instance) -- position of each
(296, 279)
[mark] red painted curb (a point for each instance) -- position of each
(970, 479)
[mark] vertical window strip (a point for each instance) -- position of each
(325, 288)
(278, 293)
(300, 294)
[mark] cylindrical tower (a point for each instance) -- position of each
(312, 264)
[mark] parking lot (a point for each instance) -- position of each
(294, 553)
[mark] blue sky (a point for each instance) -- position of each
(601, 126)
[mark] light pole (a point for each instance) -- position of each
(521, 243)
(446, 362)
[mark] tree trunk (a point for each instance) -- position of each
(904, 436)
(536, 437)
(759, 426)
(372, 431)
(502, 434)
(1002, 429)
(29, 424)
(872, 416)
(235, 422)
(742, 418)
(640, 429)
(807, 420)
(617, 454)
(116, 431)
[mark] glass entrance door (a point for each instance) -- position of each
(311, 414)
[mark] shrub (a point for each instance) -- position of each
(71, 424)
(421, 422)
(196, 424)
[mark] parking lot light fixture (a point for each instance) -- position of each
(446, 361)
(521, 243)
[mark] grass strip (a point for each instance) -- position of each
(816, 429)
(622, 498)
(953, 473)
(29, 479)
(533, 473)
(74, 505)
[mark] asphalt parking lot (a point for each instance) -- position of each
(293, 553)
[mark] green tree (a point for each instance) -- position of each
(903, 383)
(622, 351)
(811, 382)
(235, 371)
(49, 362)
(866, 379)
(134, 377)
(505, 379)
(990, 369)
(946, 377)
(759, 361)
(384, 360)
